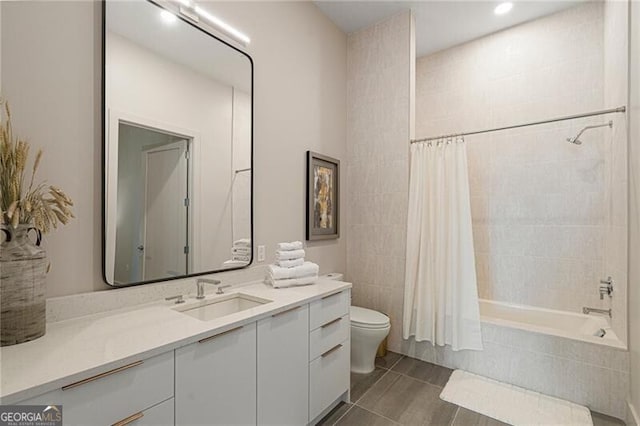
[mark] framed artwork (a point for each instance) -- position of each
(323, 197)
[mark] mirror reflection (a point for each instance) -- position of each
(178, 141)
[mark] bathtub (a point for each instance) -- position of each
(565, 324)
(552, 352)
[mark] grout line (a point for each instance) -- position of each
(353, 403)
(371, 387)
(379, 415)
(420, 380)
(399, 359)
(453, 421)
(345, 413)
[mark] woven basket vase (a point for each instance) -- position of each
(23, 268)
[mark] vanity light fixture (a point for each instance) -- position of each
(503, 8)
(194, 12)
(168, 17)
(223, 26)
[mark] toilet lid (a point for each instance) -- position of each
(367, 318)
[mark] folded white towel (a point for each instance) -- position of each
(244, 258)
(292, 282)
(242, 242)
(233, 263)
(305, 270)
(289, 254)
(294, 245)
(241, 250)
(290, 263)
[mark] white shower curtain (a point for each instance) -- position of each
(441, 296)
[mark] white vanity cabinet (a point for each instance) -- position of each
(283, 362)
(330, 352)
(115, 395)
(288, 367)
(216, 379)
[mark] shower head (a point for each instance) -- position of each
(576, 141)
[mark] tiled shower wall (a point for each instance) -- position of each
(616, 92)
(380, 66)
(543, 209)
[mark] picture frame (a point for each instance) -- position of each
(323, 197)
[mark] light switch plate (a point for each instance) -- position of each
(261, 253)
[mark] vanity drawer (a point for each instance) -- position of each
(158, 415)
(113, 395)
(328, 336)
(328, 377)
(328, 308)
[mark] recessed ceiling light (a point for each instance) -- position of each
(503, 8)
(168, 17)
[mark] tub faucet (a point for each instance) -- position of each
(606, 287)
(200, 282)
(587, 311)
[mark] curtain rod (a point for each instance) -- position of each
(534, 123)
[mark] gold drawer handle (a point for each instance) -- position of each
(129, 419)
(101, 375)
(330, 351)
(331, 295)
(206, 339)
(331, 322)
(285, 312)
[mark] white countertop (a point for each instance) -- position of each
(81, 347)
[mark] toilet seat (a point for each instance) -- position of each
(368, 319)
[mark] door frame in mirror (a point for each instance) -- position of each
(105, 123)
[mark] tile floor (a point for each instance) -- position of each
(406, 391)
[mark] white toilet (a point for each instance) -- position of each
(368, 329)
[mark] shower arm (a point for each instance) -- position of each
(597, 126)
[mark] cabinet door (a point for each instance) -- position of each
(216, 379)
(158, 415)
(329, 375)
(109, 396)
(283, 368)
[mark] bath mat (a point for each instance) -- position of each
(511, 404)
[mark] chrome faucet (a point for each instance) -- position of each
(221, 287)
(587, 311)
(200, 282)
(606, 287)
(178, 299)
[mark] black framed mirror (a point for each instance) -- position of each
(177, 147)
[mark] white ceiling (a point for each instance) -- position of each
(440, 24)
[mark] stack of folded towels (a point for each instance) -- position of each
(290, 268)
(240, 253)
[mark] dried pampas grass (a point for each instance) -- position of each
(43, 206)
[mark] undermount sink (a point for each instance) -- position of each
(222, 306)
